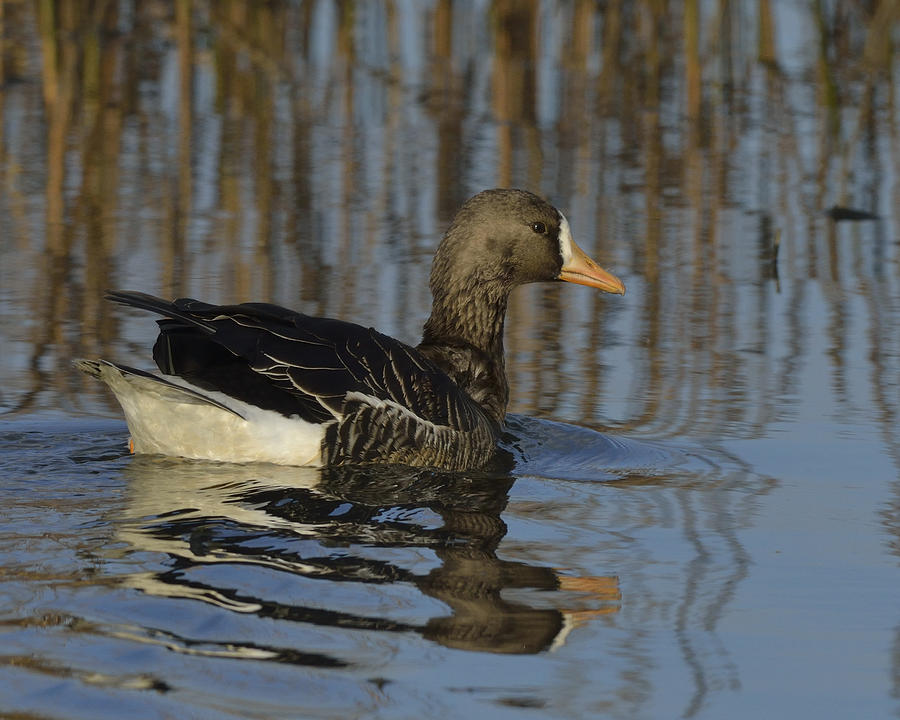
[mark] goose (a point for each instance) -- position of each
(256, 382)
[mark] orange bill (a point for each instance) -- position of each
(580, 269)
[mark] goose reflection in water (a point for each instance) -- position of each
(324, 524)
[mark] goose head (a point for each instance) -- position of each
(500, 239)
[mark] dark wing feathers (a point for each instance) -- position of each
(390, 402)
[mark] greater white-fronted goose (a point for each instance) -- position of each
(259, 383)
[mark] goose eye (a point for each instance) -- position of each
(539, 228)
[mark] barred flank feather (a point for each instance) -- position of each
(374, 430)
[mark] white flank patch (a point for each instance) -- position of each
(565, 240)
(162, 421)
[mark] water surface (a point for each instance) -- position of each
(703, 518)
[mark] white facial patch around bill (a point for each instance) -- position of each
(565, 240)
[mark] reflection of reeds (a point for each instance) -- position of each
(309, 154)
(612, 112)
(271, 189)
(86, 101)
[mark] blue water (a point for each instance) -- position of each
(199, 588)
(703, 515)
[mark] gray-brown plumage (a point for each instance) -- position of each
(373, 398)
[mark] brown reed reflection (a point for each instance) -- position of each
(258, 236)
(311, 153)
